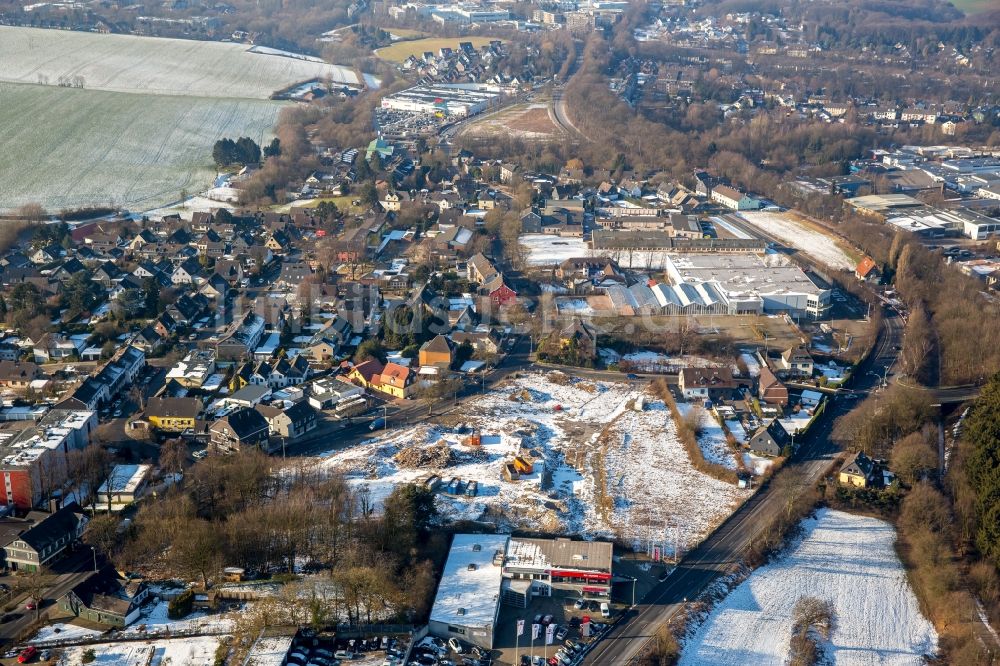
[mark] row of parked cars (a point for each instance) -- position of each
(433, 651)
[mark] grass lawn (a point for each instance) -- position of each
(400, 51)
(405, 33)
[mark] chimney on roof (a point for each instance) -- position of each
(54, 505)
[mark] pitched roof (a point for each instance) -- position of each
(243, 422)
(866, 266)
(439, 344)
(54, 527)
(173, 407)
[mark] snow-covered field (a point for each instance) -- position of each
(549, 250)
(650, 361)
(155, 66)
(601, 468)
(90, 147)
(842, 558)
(795, 234)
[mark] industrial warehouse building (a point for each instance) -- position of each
(446, 99)
(484, 570)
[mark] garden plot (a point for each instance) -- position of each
(793, 232)
(155, 66)
(599, 467)
(845, 559)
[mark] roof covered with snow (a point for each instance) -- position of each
(469, 593)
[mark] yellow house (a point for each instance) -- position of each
(859, 470)
(173, 414)
(396, 380)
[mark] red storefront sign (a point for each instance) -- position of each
(589, 576)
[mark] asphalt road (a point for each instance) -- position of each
(728, 544)
(67, 574)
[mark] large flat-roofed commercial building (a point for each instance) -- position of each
(880, 204)
(468, 597)
(445, 99)
(741, 283)
(484, 570)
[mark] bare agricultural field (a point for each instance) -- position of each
(66, 147)
(526, 121)
(153, 65)
(400, 51)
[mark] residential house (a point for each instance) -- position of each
(290, 423)
(707, 383)
(498, 292)
(483, 342)
(770, 440)
(241, 429)
(395, 380)
(582, 336)
(796, 362)
(241, 338)
(479, 269)
(47, 540)
(770, 389)
(732, 198)
(867, 270)
(19, 374)
(861, 471)
(438, 351)
(105, 598)
(366, 374)
(188, 272)
(173, 414)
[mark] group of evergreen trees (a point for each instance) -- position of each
(242, 151)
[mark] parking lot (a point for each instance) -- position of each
(566, 610)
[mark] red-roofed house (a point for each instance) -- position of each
(366, 374)
(868, 270)
(396, 380)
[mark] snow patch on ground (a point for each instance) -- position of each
(190, 651)
(795, 234)
(846, 559)
(548, 250)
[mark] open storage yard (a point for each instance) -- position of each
(155, 66)
(599, 466)
(842, 558)
(93, 147)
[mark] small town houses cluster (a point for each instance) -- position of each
(235, 331)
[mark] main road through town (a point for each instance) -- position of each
(728, 544)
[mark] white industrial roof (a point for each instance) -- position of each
(469, 593)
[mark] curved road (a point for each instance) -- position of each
(727, 546)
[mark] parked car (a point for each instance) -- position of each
(343, 654)
(537, 619)
(478, 652)
(547, 620)
(27, 654)
(578, 604)
(31, 605)
(562, 633)
(456, 645)
(605, 609)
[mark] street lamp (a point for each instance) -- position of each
(94, 551)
